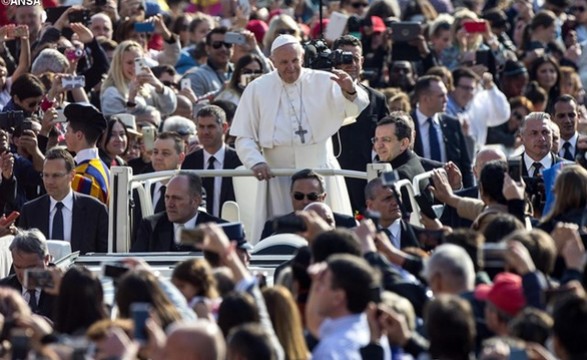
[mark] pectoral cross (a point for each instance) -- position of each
(301, 132)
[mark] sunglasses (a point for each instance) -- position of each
(219, 44)
(311, 196)
(359, 5)
(251, 72)
(286, 31)
(577, 8)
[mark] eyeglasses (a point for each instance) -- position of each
(219, 44)
(286, 31)
(359, 5)
(53, 176)
(577, 9)
(385, 139)
(251, 72)
(311, 196)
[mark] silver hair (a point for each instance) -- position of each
(31, 242)
(50, 60)
(455, 265)
(541, 116)
(179, 124)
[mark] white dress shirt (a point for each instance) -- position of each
(572, 141)
(395, 230)
(67, 211)
(86, 154)
(218, 164)
(190, 224)
(342, 338)
(545, 161)
(425, 135)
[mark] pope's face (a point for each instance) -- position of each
(288, 61)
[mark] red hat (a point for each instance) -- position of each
(315, 33)
(506, 293)
(377, 24)
(259, 28)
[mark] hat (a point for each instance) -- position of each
(506, 293)
(83, 112)
(259, 28)
(377, 24)
(129, 123)
(236, 232)
(514, 68)
(282, 40)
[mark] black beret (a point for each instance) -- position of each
(83, 112)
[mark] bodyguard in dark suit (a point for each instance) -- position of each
(566, 117)
(63, 214)
(439, 136)
(352, 143)
(29, 250)
(212, 126)
(161, 231)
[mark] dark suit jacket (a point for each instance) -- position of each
(429, 164)
(555, 160)
(341, 220)
(407, 164)
(89, 223)
(407, 236)
(195, 160)
(353, 144)
(156, 234)
(454, 144)
(7, 193)
(46, 302)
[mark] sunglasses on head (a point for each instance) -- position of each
(219, 44)
(311, 196)
(286, 31)
(359, 5)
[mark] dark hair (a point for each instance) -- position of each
(91, 133)
(27, 86)
(570, 326)
(541, 248)
(228, 106)
(299, 268)
(107, 134)
(423, 85)
(531, 325)
(346, 40)
(535, 93)
(501, 225)
(245, 60)
(565, 98)
(250, 341)
(212, 111)
(554, 92)
(194, 182)
(356, 278)
(491, 180)
(58, 152)
(217, 30)
(543, 18)
(462, 72)
(178, 142)
(337, 241)
(198, 273)
(236, 309)
(80, 302)
(470, 240)
(404, 124)
(163, 69)
(308, 174)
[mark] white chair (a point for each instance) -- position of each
(285, 244)
(58, 249)
(230, 212)
(245, 191)
(5, 255)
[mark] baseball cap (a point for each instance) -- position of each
(506, 293)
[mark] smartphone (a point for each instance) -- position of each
(100, 2)
(148, 137)
(38, 278)
(114, 270)
(192, 237)
(144, 27)
(10, 218)
(80, 16)
(140, 313)
(235, 38)
(425, 206)
(405, 31)
(247, 78)
(21, 344)
(185, 84)
(69, 82)
(140, 65)
(54, 13)
(475, 26)
(515, 169)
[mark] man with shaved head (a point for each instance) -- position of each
(201, 340)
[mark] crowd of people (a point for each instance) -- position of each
(487, 95)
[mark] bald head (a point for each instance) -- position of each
(485, 155)
(101, 25)
(201, 340)
(323, 210)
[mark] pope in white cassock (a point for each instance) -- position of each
(285, 120)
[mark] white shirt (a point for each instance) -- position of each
(26, 295)
(424, 135)
(190, 224)
(290, 114)
(86, 154)
(572, 141)
(395, 230)
(218, 164)
(342, 338)
(67, 211)
(545, 161)
(157, 193)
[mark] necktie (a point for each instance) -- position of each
(58, 222)
(32, 299)
(160, 206)
(434, 144)
(208, 183)
(536, 167)
(567, 155)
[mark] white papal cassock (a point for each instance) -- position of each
(267, 123)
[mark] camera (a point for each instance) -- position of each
(9, 119)
(69, 82)
(74, 54)
(318, 56)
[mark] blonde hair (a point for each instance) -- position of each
(115, 76)
(459, 18)
(282, 21)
